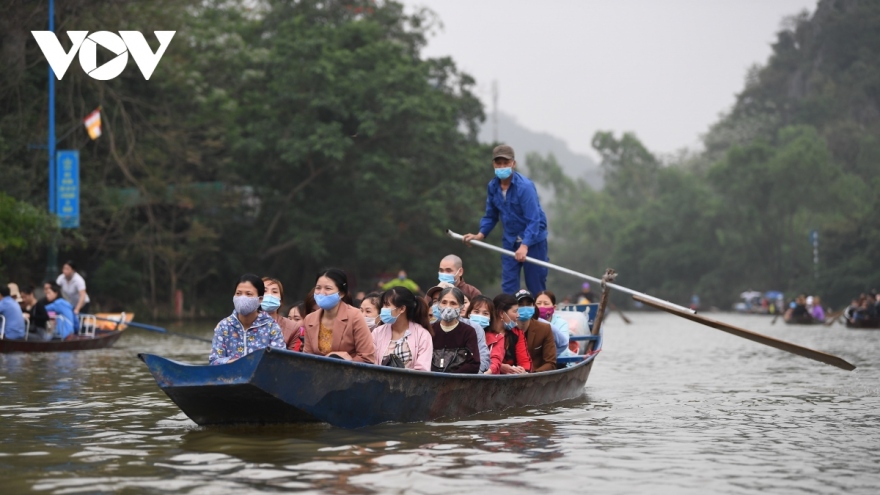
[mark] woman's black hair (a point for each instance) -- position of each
(254, 280)
(71, 264)
(504, 302)
(456, 293)
(300, 307)
(416, 309)
(55, 288)
(340, 279)
(375, 299)
(489, 305)
(547, 293)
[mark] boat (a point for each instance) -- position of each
(279, 386)
(803, 320)
(90, 336)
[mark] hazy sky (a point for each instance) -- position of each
(664, 69)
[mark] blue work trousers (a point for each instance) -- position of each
(536, 276)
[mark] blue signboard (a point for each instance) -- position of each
(67, 184)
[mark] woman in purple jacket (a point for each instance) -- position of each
(405, 331)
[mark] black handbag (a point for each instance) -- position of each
(449, 360)
(393, 360)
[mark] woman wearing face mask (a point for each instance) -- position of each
(545, 302)
(481, 312)
(404, 331)
(370, 309)
(539, 335)
(516, 353)
(273, 298)
(248, 328)
(337, 329)
(455, 343)
(66, 322)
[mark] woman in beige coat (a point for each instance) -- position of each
(337, 329)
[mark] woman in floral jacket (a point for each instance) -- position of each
(248, 328)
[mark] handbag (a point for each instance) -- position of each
(393, 361)
(449, 360)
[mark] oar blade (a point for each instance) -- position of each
(755, 337)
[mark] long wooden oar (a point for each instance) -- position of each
(625, 319)
(566, 270)
(833, 317)
(755, 337)
(152, 328)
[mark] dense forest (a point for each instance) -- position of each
(799, 151)
(280, 136)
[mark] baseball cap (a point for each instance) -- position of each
(523, 294)
(503, 151)
(437, 288)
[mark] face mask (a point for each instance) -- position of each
(270, 303)
(436, 312)
(509, 325)
(245, 305)
(503, 173)
(481, 320)
(326, 302)
(401, 277)
(386, 316)
(525, 313)
(546, 312)
(371, 323)
(448, 314)
(446, 277)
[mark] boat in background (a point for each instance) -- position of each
(91, 335)
(119, 320)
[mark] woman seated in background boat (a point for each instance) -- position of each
(817, 312)
(35, 311)
(273, 298)
(337, 329)
(481, 312)
(545, 302)
(539, 335)
(516, 352)
(798, 310)
(403, 340)
(66, 322)
(370, 306)
(248, 328)
(455, 343)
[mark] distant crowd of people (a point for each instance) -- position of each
(864, 309)
(53, 316)
(453, 328)
(805, 308)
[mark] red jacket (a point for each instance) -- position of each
(495, 341)
(516, 350)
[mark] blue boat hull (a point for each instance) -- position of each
(279, 386)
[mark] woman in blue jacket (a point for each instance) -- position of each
(66, 322)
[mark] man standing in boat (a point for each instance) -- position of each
(513, 199)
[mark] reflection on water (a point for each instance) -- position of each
(671, 407)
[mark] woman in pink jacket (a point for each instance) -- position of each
(405, 332)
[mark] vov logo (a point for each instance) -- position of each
(87, 44)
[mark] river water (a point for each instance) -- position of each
(671, 407)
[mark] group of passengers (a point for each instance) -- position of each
(453, 329)
(865, 308)
(805, 308)
(53, 316)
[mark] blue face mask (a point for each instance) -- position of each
(481, 320)
(327, 302)
(509, 325)
(436, 312)
(270, 303)
(503, 173)
(446, 277)
(525, 313)
(386, 317)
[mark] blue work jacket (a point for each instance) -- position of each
(520, 212)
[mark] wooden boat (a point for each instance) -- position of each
(808, 320)
(101, 339)
(870, 324)
(280, 386)
(93, 334)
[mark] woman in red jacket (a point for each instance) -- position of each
(482, 312)
(516, 352)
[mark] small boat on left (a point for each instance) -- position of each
(93, 334)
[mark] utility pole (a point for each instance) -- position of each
(495, 111)
(52, 258)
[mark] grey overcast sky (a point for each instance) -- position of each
(664, 69)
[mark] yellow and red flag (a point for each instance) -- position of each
(93, 123)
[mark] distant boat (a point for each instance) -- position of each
(802, 320)
(92, 335)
